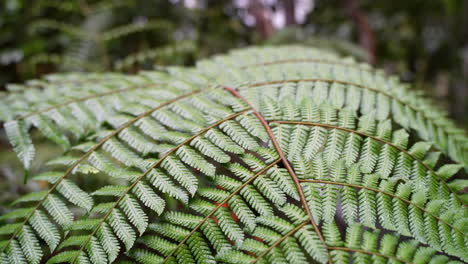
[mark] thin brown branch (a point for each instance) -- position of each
(318, 61)
(286, 164)
(323, 80)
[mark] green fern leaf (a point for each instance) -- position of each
(264, 155)
(21, 142)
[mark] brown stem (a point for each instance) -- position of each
(317, 61)
(286, 164)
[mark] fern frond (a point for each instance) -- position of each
(17, 133)
(267, 155)
(68, 190)
(375, 158)
(378, 92)
(114, 217)
(54, 119)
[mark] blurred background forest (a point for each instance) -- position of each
(424, 42)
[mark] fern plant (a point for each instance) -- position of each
(266, 155)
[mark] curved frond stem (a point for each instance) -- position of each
(258, 174)
(290, 233)
(374, 138)
(369, 253)
(344, 83)
(389, 194)
(286, 164)
(318, 61)
(89, 152)
(85, 98)
(157, 163)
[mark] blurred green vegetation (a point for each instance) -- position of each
(424, 42)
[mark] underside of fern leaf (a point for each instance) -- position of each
(266, 155)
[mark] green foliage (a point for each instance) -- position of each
(93, 36)
(302, 157)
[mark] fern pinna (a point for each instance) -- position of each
(266, 155)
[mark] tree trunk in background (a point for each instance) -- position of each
(263, 17)
(366, 37)
(290, 11)
(458, 97)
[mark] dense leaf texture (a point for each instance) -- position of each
(197, 173)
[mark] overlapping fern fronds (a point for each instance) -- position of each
(265, 155)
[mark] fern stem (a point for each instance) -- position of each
(157, 163)
(258, 174)
(317, 61)
(334, 81)
(369, 253)
(290, 233)
(376, 139)
(85, 98)
(386, 193)
(286, 164)
(84, 156)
